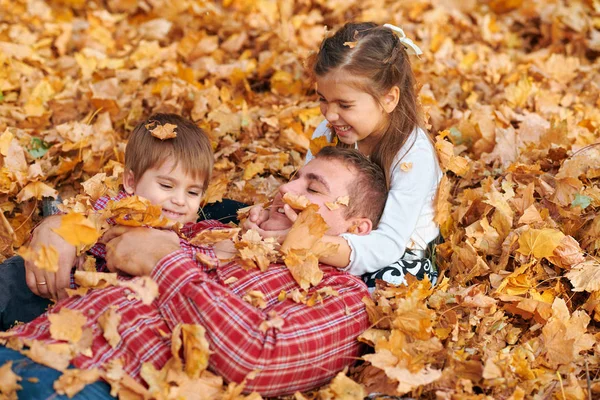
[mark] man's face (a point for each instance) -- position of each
(320, 181)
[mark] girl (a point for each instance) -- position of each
(366, 88)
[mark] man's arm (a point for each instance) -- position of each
(308, 349)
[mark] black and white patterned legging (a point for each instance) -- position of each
(412, 262)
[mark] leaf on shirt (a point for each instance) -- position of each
(210, 262)
(256, 252)
(45, 258)
(67, 325)
(136, 211)
(304, 267)
(9, 381)
(96, 280)
(208, 237)
(195, 349)
(297, 202)
(162, 132)
(78, 230)
(343, 388)
(109, 322)
(230, 280)
(406, 166)
(308, 228)
(256, 298)
(72, 381)
(144, 287)
(273, 321)
(55, 355)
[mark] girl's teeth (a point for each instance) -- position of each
(343, 128)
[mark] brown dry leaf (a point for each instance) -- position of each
(72, 381)
(95, 280)
(136, 211)
(318, 143)
(213, 236)
(343, 388)
(162, 132)
(195, 349)
(256, 298)
(9, 381)
(585, 276)
(36, 190)
(297, 202)
(308, 228)
(304, 267)
(46, 258)
(540, 242)
(109, 323)
(56, 356)
(67, 325)
(145, 289)
(216, 189)
(253, 169)
(77, 230)
(255, 251)
(274, 321)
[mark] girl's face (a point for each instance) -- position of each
(354, 114)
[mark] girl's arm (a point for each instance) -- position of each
(408, 214)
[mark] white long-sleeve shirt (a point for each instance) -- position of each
(407, 220)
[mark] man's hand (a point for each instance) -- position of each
(44, 283)
(135, 250)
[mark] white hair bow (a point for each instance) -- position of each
(410, 46)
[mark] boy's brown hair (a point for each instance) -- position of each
(191, 148)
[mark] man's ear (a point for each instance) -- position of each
(390, 100)
(361, 226)
(129, 181)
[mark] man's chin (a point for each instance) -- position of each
(275, 225)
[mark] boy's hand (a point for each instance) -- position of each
(135, 250)
(264, 230)
(257, 215)
(45, 283)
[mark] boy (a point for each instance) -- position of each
(171, 173)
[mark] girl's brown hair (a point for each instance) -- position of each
(375, 53)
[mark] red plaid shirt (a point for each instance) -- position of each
(313, 344)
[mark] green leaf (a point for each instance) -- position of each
(1, 96)
(38, 147)
(581, 201)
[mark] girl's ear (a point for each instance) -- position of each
(129, 181)
(391, 99)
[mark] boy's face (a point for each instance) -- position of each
(170, 187)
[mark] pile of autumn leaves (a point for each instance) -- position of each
(509, 89)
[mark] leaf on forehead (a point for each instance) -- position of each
(306, 231)
(72, 381)
(67, 325)
(95, 280)
(56, 355)
(332, 206)
(163, 132)
(297, 202)
(77, 230)
(256, 298)
(274, 321)
(45, 258)
(9, 381)
(304, 267)
(36, 190)
(195, 349)
(213, 236)
(109, 322)
(144, 287)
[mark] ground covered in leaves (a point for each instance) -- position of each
(510, 92)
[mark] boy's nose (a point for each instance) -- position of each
(178, 198)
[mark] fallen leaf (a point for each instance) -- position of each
(72, 381)
(67, 325)
(109, 323)
(162, 132)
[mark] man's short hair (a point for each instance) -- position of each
(368, 191)
(191, 148)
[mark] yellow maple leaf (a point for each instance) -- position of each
(37, 190)
(342, 387)
(46, 257)
(72, 381)
(109, 322)
(92, 279)
(297, 202)
(67, 325)
(308, 228)
(144, 288)
(252, 169)
(137, 211)
(214, 235)
(318, 143)
(217, 188)
(162, 132)
(195, 349)
(304, 267)
(539, 242)
(77, 230)
(5, 141)
(9, 381)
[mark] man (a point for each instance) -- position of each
(305, 348)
